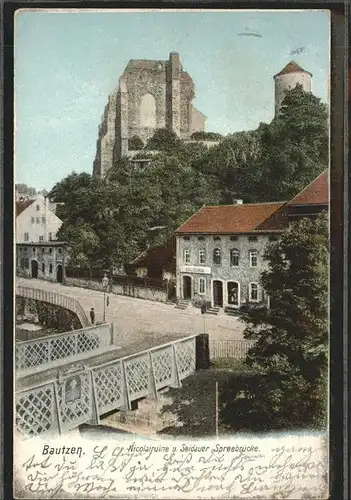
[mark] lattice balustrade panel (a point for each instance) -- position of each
(32, 354)
(137, 373)
(163, 366)
(185, 352)
(87, 341)
(35, 411)
(63, 347)
(109, 387)
(79, 410)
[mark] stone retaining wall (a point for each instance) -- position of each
(47, 315)
(138, 292)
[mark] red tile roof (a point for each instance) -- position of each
(292, 67)
(316, 193)
(22, 205)
(161, 256)
(233, 218)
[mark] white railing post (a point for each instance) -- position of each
(96, 412)
(178, 382)
(125, 386)
(152, 381)
(58, 412)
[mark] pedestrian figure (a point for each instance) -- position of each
(92, 315)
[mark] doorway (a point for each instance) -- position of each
(186, 287)
(59, 273)
(233, 293)
(34, 265)
(217, 293)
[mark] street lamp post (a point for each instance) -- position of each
(104, 286)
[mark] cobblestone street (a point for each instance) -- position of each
(137, 319)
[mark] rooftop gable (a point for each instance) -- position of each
(292, 67)
(22, 205)
(316, 193)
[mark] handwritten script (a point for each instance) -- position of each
(284, 467)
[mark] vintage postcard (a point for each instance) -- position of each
(172, 254)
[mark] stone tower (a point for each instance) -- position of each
(290, 76)
(151, 95)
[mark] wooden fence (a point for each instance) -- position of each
(236, 349)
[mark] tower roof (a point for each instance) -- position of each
(292, 67)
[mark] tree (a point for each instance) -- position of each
(294, 147)
(135, 143)
(106, 223)
(290, 353)
(163, 140)
(206, 136)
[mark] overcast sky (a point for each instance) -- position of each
(66, 64)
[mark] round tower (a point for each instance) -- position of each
(287, 79)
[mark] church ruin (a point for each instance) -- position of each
(151, 95)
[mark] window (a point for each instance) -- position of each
(234, 257)
(33, 249)
(37, 208)
(38, 220)
(41, 238)
(59, 250)
(43, 268)
(253, 292)
(202, 256)
(252, 238)
(50, 268)
(233, 238)
(233, 293)
(32, 220)
(43, 220)
(187, 256)
(42, 250)
(50, 236)
(216, 238)
(50, 250)
(253, 258)
(201, 238)
(217, 256)
(202, 286)
(26, 237)
(186, 238)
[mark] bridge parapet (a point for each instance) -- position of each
(46, 351)
(54, 298)
(82, 394)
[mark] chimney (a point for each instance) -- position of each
(237, 202)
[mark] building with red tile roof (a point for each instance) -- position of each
(156, 262)
(220, 249)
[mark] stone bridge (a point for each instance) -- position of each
(54, 298)
(65, 380)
